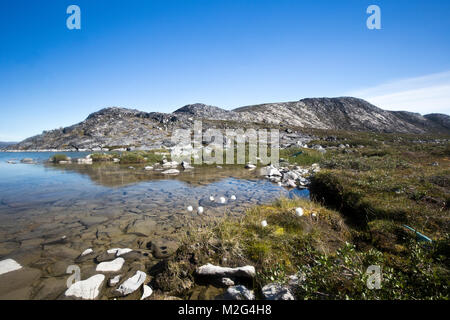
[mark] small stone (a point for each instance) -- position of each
(148, 168)
(111, 266)
(114, 281)
(147, 292)
(86, 252)
(227, 282)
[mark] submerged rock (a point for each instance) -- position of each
(88, 289)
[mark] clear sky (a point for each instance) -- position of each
(161, 55)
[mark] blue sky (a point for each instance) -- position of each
(161, 55)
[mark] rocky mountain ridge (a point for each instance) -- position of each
(121, 128)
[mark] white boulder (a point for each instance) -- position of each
(226, 272)
(132, 284)
(9, 265)
(88, 289)
(119, 251)
(111, 266)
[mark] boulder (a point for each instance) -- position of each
(88, 289)
(132, 284)
(119, 251)
(171, 171)
(275, 291)
(225, 272)
(170, 164)
(111, 266)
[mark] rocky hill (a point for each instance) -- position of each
(120, 128)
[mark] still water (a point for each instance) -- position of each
(49, 213)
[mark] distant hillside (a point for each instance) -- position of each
(115, 128)
(4, 144)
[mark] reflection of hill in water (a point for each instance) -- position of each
(114, 175)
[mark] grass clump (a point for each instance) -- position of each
(59, 157)
(301, 156)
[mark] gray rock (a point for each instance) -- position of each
(275, 291)
(239, 292)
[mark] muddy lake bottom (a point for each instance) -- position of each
(50, 214)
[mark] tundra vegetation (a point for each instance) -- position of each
(370, 186)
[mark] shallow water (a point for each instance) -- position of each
(105, 206)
